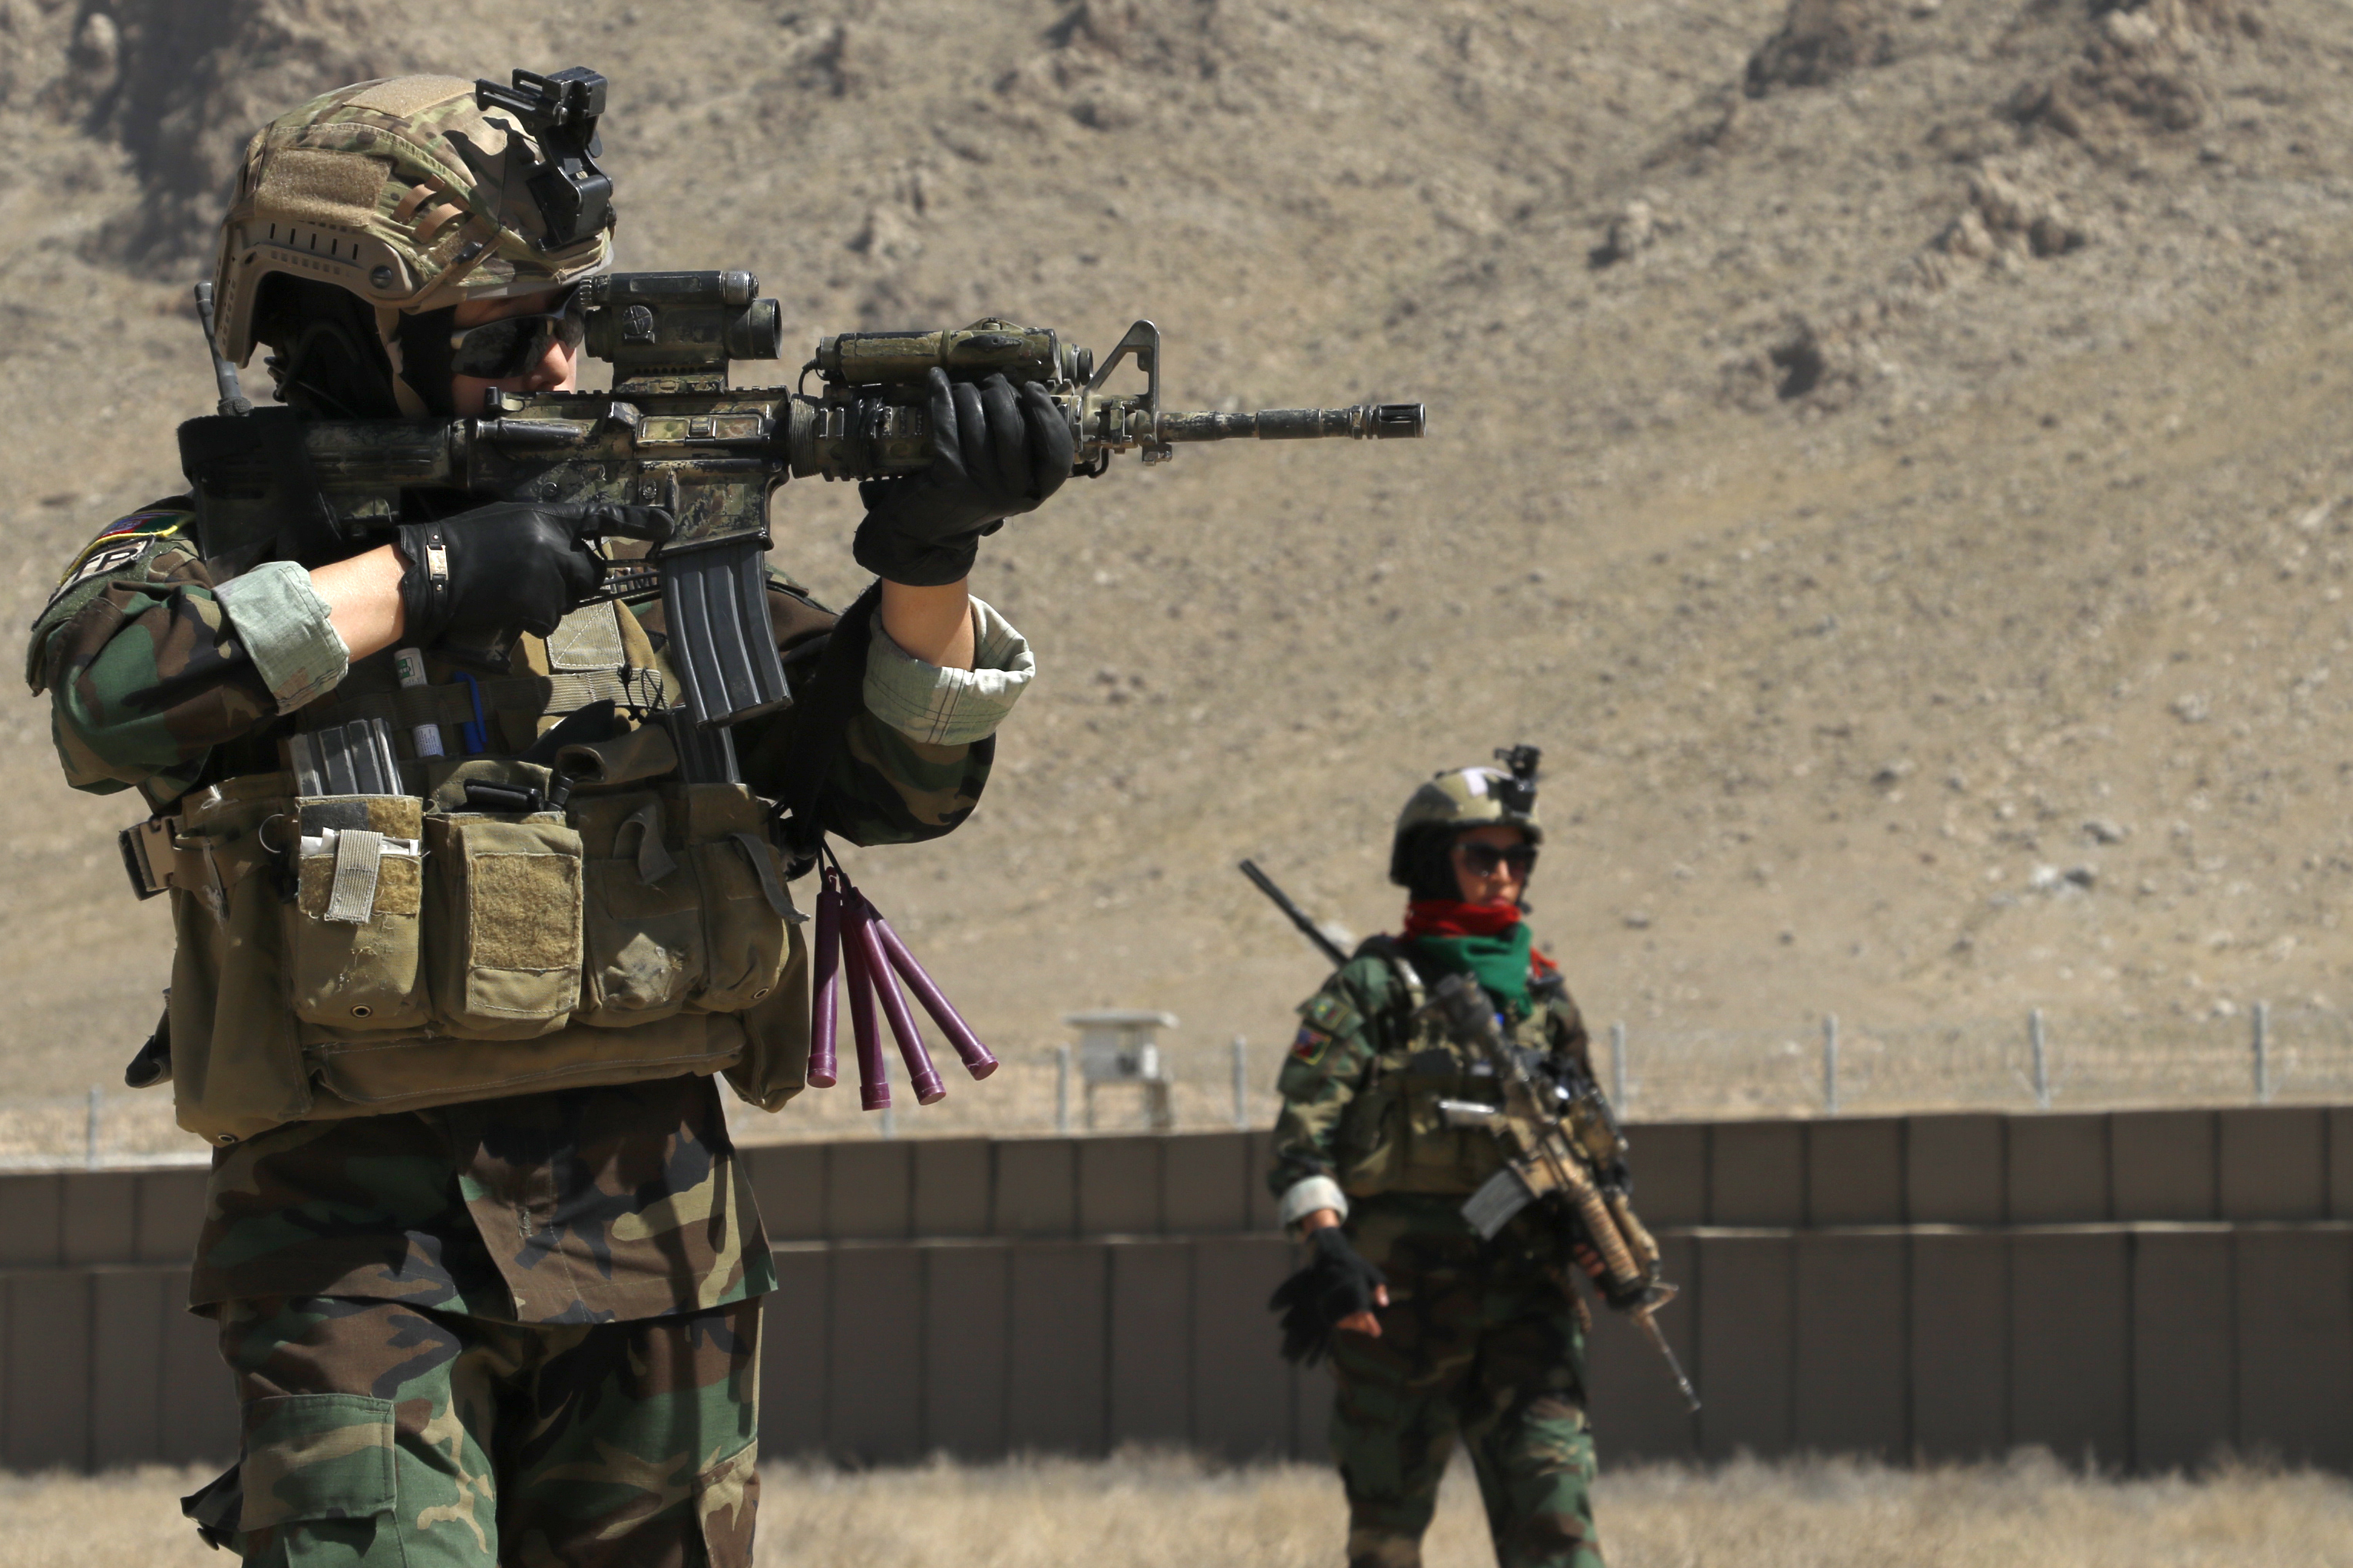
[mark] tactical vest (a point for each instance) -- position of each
(499, 926)
(1396, 1136)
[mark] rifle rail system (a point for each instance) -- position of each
(672, 433)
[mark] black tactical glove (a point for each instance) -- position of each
(1337, 1283)
(482, 575)
(996, 453)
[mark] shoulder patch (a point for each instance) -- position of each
(118, 544)
(1308, 1047)
(155, 522)
(1328, 1012)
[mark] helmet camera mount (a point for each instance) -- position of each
(575, 196)
(1518, 792)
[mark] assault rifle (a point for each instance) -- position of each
(1564, 1148)
(1562, 1144)
(672, 433)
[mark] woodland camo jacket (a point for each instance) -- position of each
(575, 1207)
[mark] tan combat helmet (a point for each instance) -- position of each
(418, 192)
(1469, 797)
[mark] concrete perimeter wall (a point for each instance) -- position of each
(2140, 1286)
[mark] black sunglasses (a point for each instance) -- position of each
(511, 346)
(1484, 860)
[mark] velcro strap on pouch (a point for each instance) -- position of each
(654, 859)
(359, 865)
(764, 866)
(359, 856)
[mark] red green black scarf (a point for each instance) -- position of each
(1490, 943)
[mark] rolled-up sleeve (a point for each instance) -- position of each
(944, 706)
(288, 632)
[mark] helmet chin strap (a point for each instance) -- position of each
(328, 361)
(421, 341)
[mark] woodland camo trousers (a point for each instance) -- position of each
(1490, 1355)
(380, 1436)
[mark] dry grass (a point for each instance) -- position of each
(1147, 1510)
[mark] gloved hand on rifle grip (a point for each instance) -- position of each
(996, 453)
(526, 564)
(1337, 1283)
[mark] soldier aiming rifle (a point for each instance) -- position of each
(479, 746)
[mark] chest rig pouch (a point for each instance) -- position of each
(563, 900)
(1418, 1123)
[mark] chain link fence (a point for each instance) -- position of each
(1831, 1066)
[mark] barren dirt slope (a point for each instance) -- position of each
(1892, 457)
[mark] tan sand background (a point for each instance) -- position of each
(1886, 477)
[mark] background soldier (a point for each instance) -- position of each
(482, 1259)
(1433, 1333)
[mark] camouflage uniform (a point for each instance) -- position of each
(381, 1436)
(557, 1289)
(1482, 1341)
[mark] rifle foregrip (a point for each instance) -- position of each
(1602, 1229)
(1639, 1240)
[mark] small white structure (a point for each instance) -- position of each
(1116, 1046)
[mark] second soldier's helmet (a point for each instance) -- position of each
(1466, 797)
(411, 196)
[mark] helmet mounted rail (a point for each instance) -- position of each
(575, 196)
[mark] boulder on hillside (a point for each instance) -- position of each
(2143, 67)
(1820, 42)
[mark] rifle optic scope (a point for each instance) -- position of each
(679, 323)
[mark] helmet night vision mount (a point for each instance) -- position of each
(575, 196)
(1518, 792)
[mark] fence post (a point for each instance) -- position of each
(2034, 1038)
(1241, 1081)
(2262, 1054)
(1618, 1066)
(1830, 1064)
(1063, 1089)
(90, 1128)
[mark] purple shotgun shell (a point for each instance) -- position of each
(824, 1067)
(873, 1074)
(920, 1073)
(978, 1061)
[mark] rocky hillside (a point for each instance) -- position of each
(1891, 456)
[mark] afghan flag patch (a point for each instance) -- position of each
(117, 545)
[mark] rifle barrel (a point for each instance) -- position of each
(1642, 1315)
(1298, 917)
(1365, 422)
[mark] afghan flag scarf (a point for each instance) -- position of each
(1489, 943)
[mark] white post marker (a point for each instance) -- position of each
(1063, 1089)
(90, 1128)
(2037, 1044)
(2263, 1043)
(1242, 1082)
(1830, 1064)
(1618, 1099)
